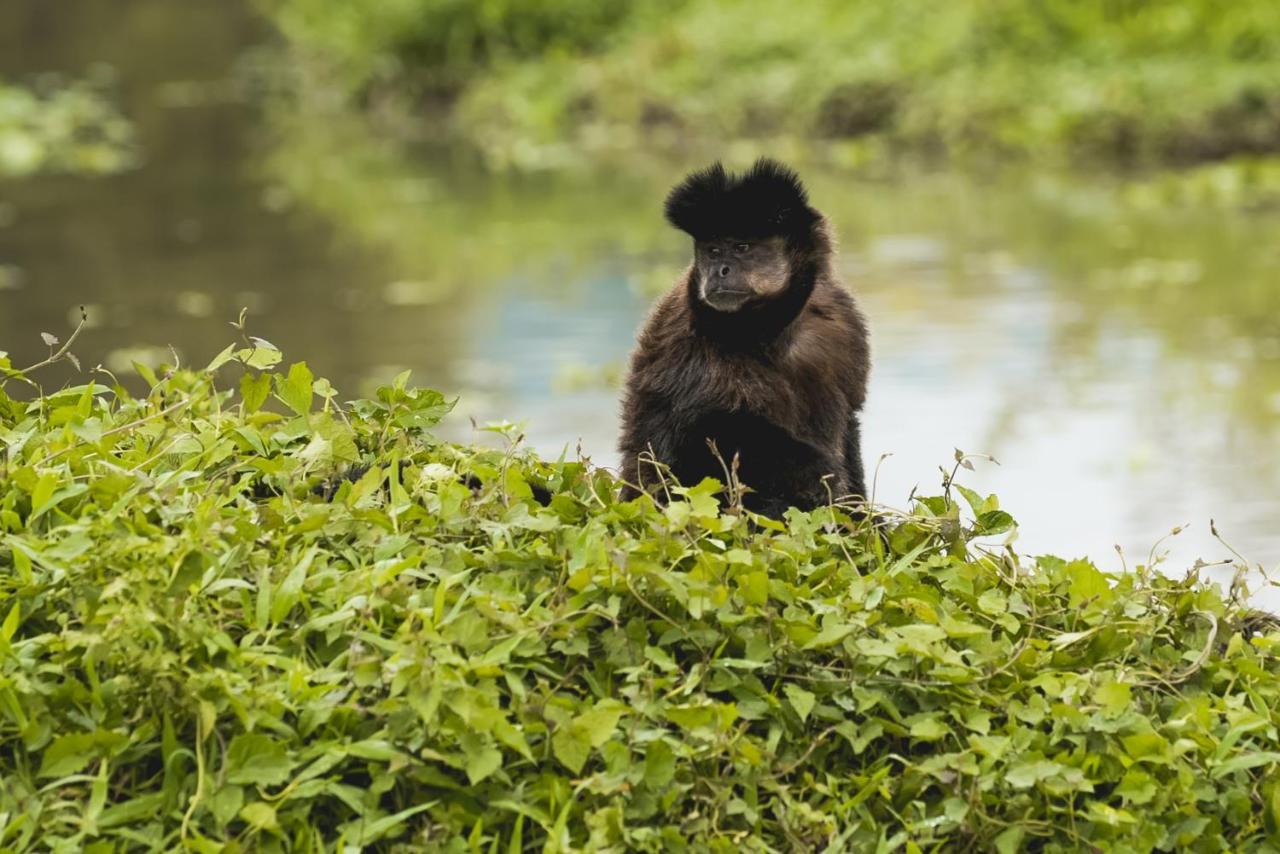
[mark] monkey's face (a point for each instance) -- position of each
(732, 273)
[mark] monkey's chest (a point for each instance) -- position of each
(746, 402)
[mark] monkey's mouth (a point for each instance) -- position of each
(726, 299)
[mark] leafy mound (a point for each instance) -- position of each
(209, 642)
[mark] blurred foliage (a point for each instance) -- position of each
(211, 641)
(1251, 183)
(440, 45)
(60, 126)
(536, 84)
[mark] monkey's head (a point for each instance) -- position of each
(747, 230)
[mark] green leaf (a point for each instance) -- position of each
(146, 373)
(692, 717)
(226, 803)
(482, 763)
(262, 355)
(659, 765)
(11, 623)
(830, 635)
(600, 722)
(295, 390)
(1086, 582)
(1068, 638)
(424, 409)
(704, 498)
(993, 602)
(921, 635)
(1137, 787)
(1114, 696)
(1146, 745)
(369, 832)
(1271, 806)
(755, 587)
(318, 450)
(962, 628)
(973, 499)
(572, 746)
(254, 389)
(513, 738)
(994, 522)
(131, 812)
(260, 816)
(929, 729)
(287, 595)
(1028, 773)
(59, 496)
(375, 749)
(800, 699)
(221, 359)
(1009, 840)
(43, 491)
(255, 759)
(68, 754)
(1245, 761)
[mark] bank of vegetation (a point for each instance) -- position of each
(1102, 81)
(210, 639)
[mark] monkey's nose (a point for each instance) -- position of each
(724, 271)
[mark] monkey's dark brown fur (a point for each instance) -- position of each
(773, 372)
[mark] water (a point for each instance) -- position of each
(1121, 361)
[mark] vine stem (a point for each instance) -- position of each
(21, 375)
(71, 339)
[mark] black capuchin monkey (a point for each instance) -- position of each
(758, 348)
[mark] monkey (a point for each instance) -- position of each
(758, 349)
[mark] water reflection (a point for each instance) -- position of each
(1122, 363)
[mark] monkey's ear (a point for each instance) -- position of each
(768, 200)
(773, 196)
(696, 204)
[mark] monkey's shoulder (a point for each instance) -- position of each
(665, 340)
(830, 331)
(833, 307)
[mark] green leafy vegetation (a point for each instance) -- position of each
(1170, 81)
(209, 639)
(437, 45)
(1247, 183)
(62, 127)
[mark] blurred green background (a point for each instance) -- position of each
(1062, 217)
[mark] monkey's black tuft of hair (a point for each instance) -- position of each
(767, 200)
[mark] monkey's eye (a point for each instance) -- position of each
(714, 250)
(743, 247)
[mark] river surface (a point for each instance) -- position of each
(1120, 357)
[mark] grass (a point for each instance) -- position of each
(210, 640)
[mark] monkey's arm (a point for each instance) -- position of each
(857, 481)
(782, 469)
(808, 481)
(649, 433)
